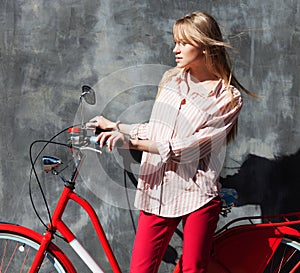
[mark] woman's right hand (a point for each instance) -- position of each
(112, 140)
(101, 123)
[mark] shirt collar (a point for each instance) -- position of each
(181, 78)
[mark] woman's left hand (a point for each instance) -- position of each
(101, 123)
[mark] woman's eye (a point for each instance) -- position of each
(181, 43)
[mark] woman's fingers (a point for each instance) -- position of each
(111, 139)
(103, 138)
(94, 122)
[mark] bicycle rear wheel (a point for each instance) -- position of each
(286, 258)
(17, 253)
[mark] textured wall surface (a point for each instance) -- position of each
(49, 49)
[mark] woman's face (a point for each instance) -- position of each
(187, 55)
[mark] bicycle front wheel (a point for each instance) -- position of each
(17, 253)
(286, 258)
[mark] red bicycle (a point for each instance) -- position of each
(273, 245)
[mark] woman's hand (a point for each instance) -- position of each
(102, 123)
(107, 125)
(112, 140)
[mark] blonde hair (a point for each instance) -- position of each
(199, 28)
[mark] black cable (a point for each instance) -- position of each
(37, 179)
(36, 176)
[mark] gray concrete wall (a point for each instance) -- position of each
(49, 49)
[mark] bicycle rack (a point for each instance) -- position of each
(287, 219)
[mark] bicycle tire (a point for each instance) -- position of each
(286, 259)
(17, 252)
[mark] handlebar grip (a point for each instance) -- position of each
(99, 130)
(93, 140)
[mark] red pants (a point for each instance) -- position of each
(154, 234)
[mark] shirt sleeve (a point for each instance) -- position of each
(208, 138)
(139, 131)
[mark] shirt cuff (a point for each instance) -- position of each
(164, 150)
(139, 131)
(133, 133)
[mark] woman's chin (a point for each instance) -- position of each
(179, 65)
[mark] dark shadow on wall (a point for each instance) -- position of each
(272, 184)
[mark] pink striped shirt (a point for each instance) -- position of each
(189, 124)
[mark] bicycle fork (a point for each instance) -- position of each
(40, 255)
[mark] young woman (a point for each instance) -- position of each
(194, 115)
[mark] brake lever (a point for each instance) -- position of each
(86, 148)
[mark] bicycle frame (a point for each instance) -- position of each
(259, 241)
(57, 224)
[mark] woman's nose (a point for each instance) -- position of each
(175, 49)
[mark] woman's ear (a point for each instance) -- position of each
(203, 49)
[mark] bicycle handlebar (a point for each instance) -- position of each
(80, 140)
(79, 137)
